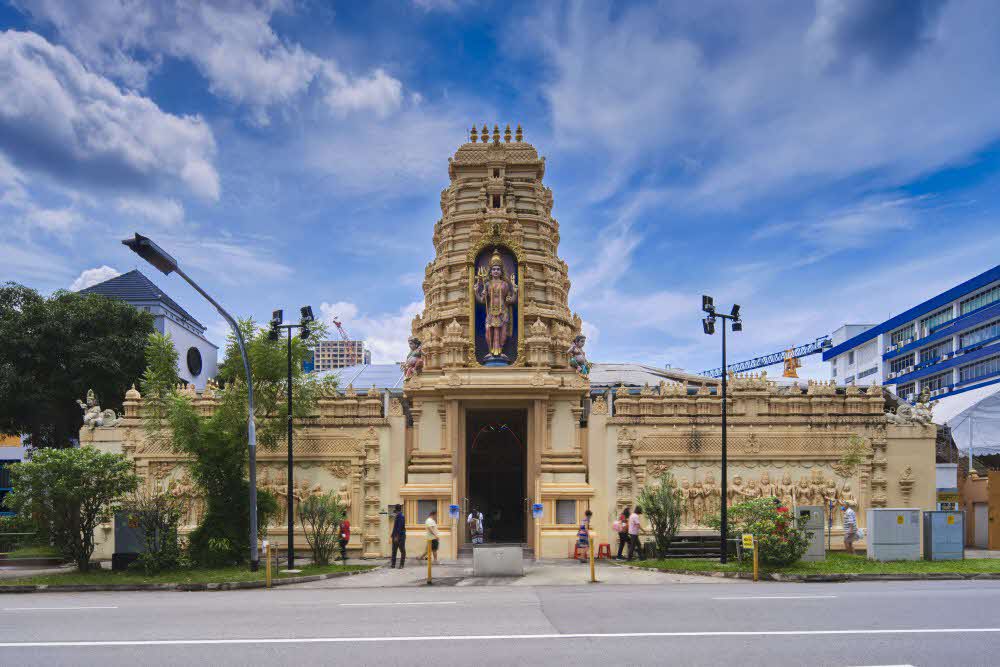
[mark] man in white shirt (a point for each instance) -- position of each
(433, 536)
(850, 527)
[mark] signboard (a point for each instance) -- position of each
(948, 507)
(951, 519)
(747, 541)
(536, 511)
(453, 511)
(900, 519)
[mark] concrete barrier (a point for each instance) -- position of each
(497, 560)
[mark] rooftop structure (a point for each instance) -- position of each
(947, 344)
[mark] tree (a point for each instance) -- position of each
(158, 515)
(855, 455)
(54, 349)
(71, 491)
(321, 517)
(216, 444)
(662, 506)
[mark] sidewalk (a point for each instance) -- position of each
(543, 573)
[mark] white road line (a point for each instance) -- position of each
(438, 638)
(777, 597)
(390, 604)
(52, 608)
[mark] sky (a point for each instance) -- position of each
(819, 163)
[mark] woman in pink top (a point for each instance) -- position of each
(633, 533)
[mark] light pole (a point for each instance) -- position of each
(708, 324)
(276, 325)
(159, 258)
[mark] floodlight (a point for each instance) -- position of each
(708, 324)
(707, 304)
(737, 325)
(277, 317)
(307, 313)
(735, 312)
(152, 253)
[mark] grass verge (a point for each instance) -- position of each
(835, 563)
(34, 551)
(191, 576)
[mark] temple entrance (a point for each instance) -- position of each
(496, 464)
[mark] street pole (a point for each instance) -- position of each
(291, 464)
(722, 504)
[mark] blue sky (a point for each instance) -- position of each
(819, 163)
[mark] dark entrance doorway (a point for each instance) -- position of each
(496, 459)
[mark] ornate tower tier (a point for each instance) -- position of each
(496, 204)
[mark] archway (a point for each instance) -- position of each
(496, 464)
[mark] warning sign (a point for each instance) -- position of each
(900, 519)
(747, 541)
(951, 519)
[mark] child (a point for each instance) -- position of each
(583, 536)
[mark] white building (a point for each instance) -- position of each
(947, 344)
(197, 358)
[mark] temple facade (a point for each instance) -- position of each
(500, 410)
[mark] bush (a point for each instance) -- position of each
(71, 491)
(662, 506)
(320, 517)
(781, 538)
(158, 515)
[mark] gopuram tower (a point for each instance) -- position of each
(494, 400)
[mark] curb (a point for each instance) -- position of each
(219, 586)
(829, 578)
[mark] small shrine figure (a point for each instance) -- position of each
(414, 363)
(498, 294)
(577, 357)
(792, 364)
(93, 416)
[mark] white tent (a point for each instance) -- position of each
(974, 416)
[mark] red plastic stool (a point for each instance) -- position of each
(578, 550)
(604, 550)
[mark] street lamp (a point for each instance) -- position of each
(276, 325)
(708, 325)
(159, 258)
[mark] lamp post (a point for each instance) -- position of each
(276, 325)
(159, 258)
(708, 324)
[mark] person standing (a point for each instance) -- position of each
(433, 536)
(621, 527)
(633, 533)
(345, 537)
(583, 537)
(398, 538)
(850, 526)
(474, 522)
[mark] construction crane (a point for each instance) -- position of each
(789, 357)
(340, 328)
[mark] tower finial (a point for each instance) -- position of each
(506, 134)
(520, 135)
(496, 134)
(485, 134)
(473, 137)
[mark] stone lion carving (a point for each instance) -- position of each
(921, 413)
(93, 416)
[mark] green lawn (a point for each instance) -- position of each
(835, 563)
(34, 551)
(191, 576)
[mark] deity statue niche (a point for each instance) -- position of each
(577, 357)
(414, 363)
(495, 290)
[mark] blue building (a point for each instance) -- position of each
(197, 358)
(947, 344)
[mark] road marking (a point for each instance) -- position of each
(777, 597)
(438, 638)
(52, 608)
(390, 604)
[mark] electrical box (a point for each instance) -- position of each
(944, 535)
(816, 525)
(893, 534)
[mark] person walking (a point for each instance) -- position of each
(433, 536)
(583, 537)
(621, 527)
(398, 538)
(633, 534)
(345, 537)
(850, 526)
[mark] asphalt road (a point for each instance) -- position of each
(871, 623)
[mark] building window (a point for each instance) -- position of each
(979, 334)
(936, 352)
(496, 201)
(194, 361)
(424, 509)
(870, 371)
(900, 337)
(566, 511)
(931, 322)
(897, 365)
(980, 369)
(849, 379)
(850, 358)
(833, 370)
(936, 382)
(496, 173)
(976, 302)
(905, 390)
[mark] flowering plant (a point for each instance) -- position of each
(781, 538)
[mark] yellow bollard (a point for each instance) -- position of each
(755, 559)
(267, 568)
(590, 541)
(429, 559)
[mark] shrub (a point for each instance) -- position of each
(71, 491)
(320, 517)
(781, 538)
(662, 506)
(158, 515)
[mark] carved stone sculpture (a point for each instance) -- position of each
(577, 357)
(414, 363)
(498, 294)
(93, 416)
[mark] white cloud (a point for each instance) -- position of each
(385, 333)
(55, 220)
(91, 277)
(231, 43)
(164, 212)
(58, 117)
